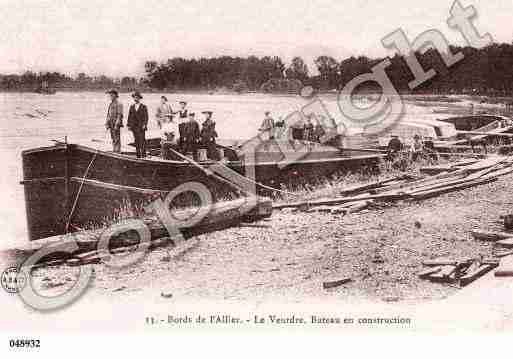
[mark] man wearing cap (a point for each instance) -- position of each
(164, 112)
(191, 132)
(182, 120)
(114, 120)
(137, 123)
(208, 136)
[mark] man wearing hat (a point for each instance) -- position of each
(164, 112)
(208, 136)
(137, 123)
(182, 120)
(114, 120)
(191, 132)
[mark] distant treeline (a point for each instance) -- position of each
(487, 71)
(31, 81)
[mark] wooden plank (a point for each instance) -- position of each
(443, 274)
(493, 134)
(503, 254)
(427, 272)
(475, 274)
(490, 236)
(358, 206)
(434, 170)
(439, 262)
(505, 268)
(335, 283)
(363, 188)
(341, 200)
(508, 243)
(448, 189)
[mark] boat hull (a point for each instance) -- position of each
(70, 187)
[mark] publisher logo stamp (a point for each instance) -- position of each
(12, 280)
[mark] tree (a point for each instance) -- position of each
(329, 71)
(297, 70)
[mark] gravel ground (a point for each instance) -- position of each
(290, 255)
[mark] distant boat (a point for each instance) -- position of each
(68, 186)
(45, 89)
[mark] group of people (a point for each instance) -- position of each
(180, 132)
(419, 147)
(301, 130)
(184, 134)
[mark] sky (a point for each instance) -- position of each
(116, 37)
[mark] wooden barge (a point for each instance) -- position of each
(69, 186)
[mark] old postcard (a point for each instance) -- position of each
(243, 166)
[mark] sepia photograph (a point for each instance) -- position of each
(337, 167)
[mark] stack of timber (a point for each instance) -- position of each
(463, 271)
(218, 216)
(439, 180)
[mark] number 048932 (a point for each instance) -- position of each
(24, 343)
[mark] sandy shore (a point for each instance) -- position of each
(290, 255)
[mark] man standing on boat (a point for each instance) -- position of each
(208, 136)
(267, 127)
(137, 123)
(182, 120)
(114, 120)
(191, 132)
(164, 112)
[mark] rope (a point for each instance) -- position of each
(80, 190)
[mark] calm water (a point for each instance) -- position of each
(31, 120)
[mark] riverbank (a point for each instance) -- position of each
(289, 256)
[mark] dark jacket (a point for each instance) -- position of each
(138, 120)
(395, 145)
(192, 132)
(208, 131)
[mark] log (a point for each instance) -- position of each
(490, 236)
(220, 216)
